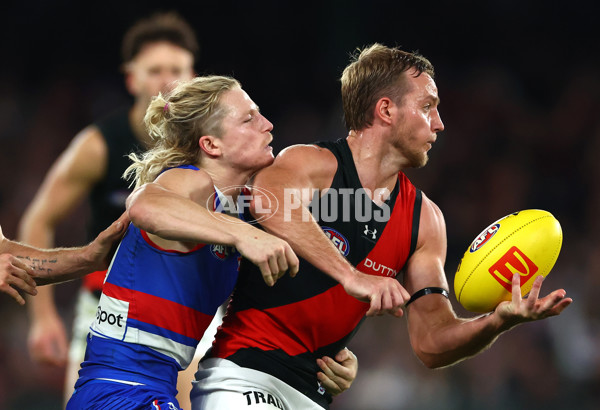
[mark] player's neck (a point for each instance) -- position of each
(372, 160)
(225, 177)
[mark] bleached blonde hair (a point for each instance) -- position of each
(176, 121)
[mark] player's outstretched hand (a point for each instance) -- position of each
(100, 252)
(14, 274)
(273, 256)
(384, 294)
(532, 307)
(337, 375)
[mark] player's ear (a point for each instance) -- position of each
(210, 145)
(383, 110)
(129, 80)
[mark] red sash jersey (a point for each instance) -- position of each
(282, 330)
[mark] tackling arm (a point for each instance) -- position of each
(46, 266)
(304, 168)
(174, 208)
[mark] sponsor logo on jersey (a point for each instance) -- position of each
(513, 261)
(111, 317)
(380, 268)
(370, 233)
(338, 240)
(254, 397)
(484, 237)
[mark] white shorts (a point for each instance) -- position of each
(222, 384)
(85, 313)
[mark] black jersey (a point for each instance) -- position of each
(107, 198)
(282, 330)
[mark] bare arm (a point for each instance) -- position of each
(71, 177)
(174, 208)
(14, 274)
(44, 266)
(303, 168)
(438, 336)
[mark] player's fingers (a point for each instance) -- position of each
(27, 271)
(548, 303)
(265, 271)
(293, 262)
(516, 289)
(534, 293)
(9, 290)
(274, 267)
(386, 302)
(325, 365)
(282, 263)
(405, 295)
(344, 354)
(375, 305)
(329, 385)
(23, 272)
(397, 312)
(560, 306)
(25, 286)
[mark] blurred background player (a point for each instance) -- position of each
(156, 51)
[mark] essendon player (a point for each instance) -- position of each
(265, 353)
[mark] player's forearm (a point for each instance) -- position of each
(177, 218)
(33, 231)
(52, 266)
(308, 241)
(463, 338)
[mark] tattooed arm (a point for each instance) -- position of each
(23, 266)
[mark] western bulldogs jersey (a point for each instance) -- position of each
(155, 306)
(282, 330)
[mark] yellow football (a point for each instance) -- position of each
(527, 242)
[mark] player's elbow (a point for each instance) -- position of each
(140, 213)
(431, 361)
(432, 355)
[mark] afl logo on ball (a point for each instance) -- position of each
(338, 240)
(219, 251)
(484, 237)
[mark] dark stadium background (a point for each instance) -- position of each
(520, 89)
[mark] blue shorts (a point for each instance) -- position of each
(104, 394)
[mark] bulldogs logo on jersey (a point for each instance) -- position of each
(338, 240)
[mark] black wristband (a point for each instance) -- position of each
(427, 291)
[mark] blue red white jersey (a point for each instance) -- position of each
(154, 309)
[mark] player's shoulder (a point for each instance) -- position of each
(306, 156)
(189, 181)
(185, 174)
(303, 151)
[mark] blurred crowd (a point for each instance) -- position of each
(520, 133)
